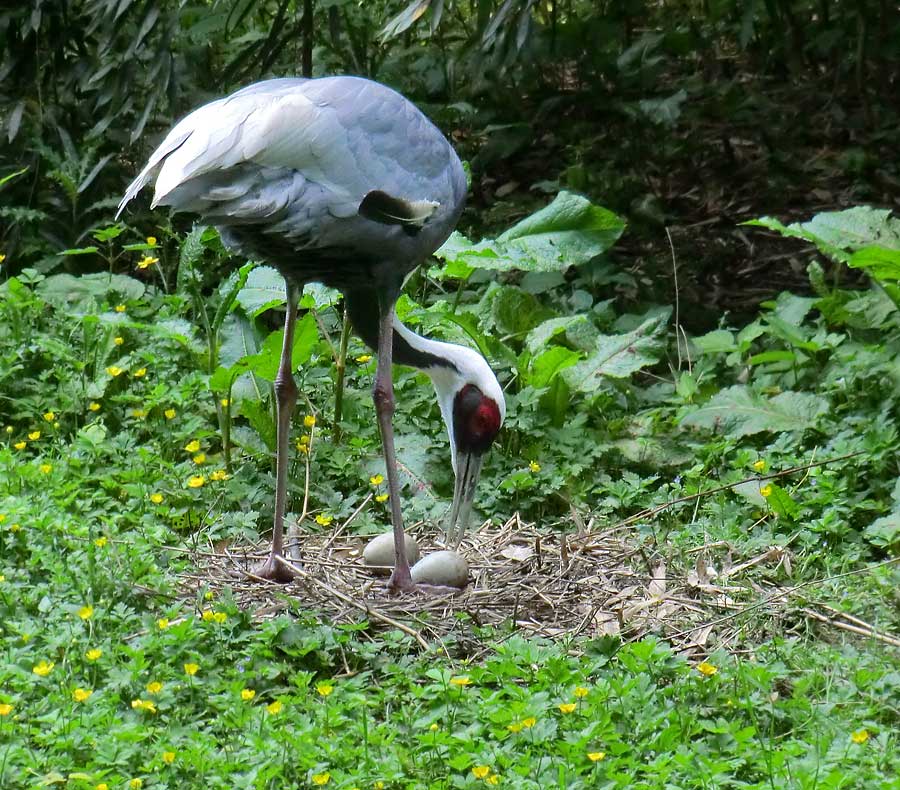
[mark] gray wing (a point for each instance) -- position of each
(301, 156)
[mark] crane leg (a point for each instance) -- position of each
(285, 401)
(383, 395)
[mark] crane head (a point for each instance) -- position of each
(476, 421)
(473, 408)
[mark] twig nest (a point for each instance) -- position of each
(442, 569)
(379, 554)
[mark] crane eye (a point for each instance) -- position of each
(476, 420)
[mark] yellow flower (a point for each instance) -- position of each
(480, 771)
(168, 757)
(196, 481)
(101, 541)
(219, 617)
(200, 458)
(86, 612)
(324, 689)
(156, 498)
(323, 521)
(364, 358)
(34, 436)
(225, 403)
(580, 692)
(169, 414)
(492, 779)
(120, 308)
(2, 517)
(247, 694)
(434, 726)
(376, 480)
(82, 695)
(2, 258)
(461, 681)
(93, 654)
(303, 439)
(144, 704)
(378, 786)
(94, 406)
(138, 413)
(43, 668)
(140, 373)
(192, 446)
(760, 465)
(596, 757)
(191, 669)
(219, 474)
(151, 240)
(5, 709)
(114, 371)
(529, 722)
(860, 736)
(15, 527)
(50, 416)
(118, 340)
(706, 669)
(274, 707)
(146, 262)
(766, 490)
(46, 469)
(2, 578)
(515, 727)
(207, 616)
(102, 786)
(534, 466)
(154, 687)
(162, 623)
(20, 445)
(321, 779)
(382, 497)
(309, 421)
(567, 707)
(136, 784)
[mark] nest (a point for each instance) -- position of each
(590, 583)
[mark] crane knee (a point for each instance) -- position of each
(285, 390)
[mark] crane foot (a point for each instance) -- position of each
(273, 570)
(401, 582)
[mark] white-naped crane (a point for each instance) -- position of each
(343, 181)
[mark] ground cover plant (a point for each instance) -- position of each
(115, 471)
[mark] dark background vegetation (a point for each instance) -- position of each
(686, 116)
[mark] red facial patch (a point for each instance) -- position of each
(476, 420)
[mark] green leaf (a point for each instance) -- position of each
(319, 297)
(738, 411)
(228, 293)
(82, 293)
(618, 356)
(539, 337)
(880, 262)
(265, 363)
(515, 311)
(719, 341)
(263, 290)
(545, 367)
(259, 415)
(839, 233)
(80, 251)
(191, 252)
(568, 232)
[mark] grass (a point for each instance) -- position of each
(112, 469)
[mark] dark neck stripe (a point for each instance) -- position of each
(363, 309)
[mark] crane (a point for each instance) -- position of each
(343, 181)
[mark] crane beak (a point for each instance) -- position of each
(468, 469)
